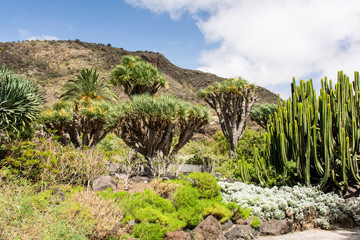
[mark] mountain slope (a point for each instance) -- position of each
(52, 63)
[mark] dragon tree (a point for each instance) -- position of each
(137, 76)
(232, 99)
(158, 127)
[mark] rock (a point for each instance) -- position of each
(240, 232)
(209, 229)
(227, 225)
(112, 168)
(275, 227)
(179, 235)
(103, 182)
(139, 179)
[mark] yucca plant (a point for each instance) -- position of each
(232, 100)
(82, 124)
(88, 85)
(159, 126)
(20, 102)
(137, 76)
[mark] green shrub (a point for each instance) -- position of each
(48, 162)
(218, 209)
(186, 196)
(256, 222)
(150, 231)
(205, 183)
(238, 212)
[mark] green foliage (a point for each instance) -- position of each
(317, 135)
(148, 125)
(137, 76)
(31, 215)
(238, 212)
(205, 183)
(20, 102)
(153, 231)
(186, 196)
(232, 99)
(84, 123)
(49, 163)
(256, 222)
(261, 113)
(87, 86)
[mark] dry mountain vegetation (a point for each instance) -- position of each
(52, 63)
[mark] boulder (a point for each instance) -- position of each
(179, 235)
(275, 227)
(227, 225)
(240, 232)
(103, 182)
(209, 229)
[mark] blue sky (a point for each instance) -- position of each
(115, 22)
(266, 42)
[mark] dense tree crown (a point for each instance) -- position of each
(137, 76)
(85, 123)
(20, 102)
(232, 100)
(87, 85)
(261, 113)
(149, 124)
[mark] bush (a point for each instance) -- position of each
(48, 162)
(205, 183)
(256, 222)
(153, 231)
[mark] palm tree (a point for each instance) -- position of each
(88, 86)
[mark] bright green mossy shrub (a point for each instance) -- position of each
(205, 183)
(153, 231)
(256, 222)
(195, 197)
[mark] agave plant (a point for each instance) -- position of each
(87, 85)
(20, 102)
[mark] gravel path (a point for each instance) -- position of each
(316, 234)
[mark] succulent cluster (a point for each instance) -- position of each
(290, 202)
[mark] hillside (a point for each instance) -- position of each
(52, 63)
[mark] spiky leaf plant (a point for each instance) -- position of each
(84, 123)
(261, 113)
(137, 76)
(88, 85)
(232, 100)
(20, 102)
(149, 124)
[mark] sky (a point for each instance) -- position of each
(267, 42)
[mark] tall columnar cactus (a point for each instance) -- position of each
(319, 134)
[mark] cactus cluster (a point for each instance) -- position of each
(320, 134)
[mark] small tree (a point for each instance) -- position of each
(232, 100)
(87, 85)
(20, 102)
(158, 127)
(261, 113)
(137, 76)
(83, 124)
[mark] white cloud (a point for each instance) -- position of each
(43, 37)
(25, 34)
(269, 42)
